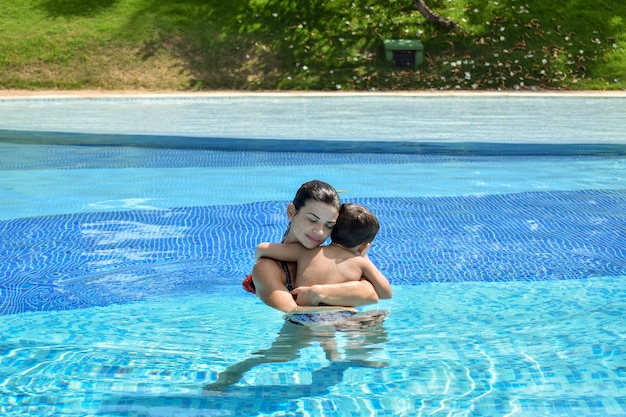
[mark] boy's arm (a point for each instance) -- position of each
(377, 279)
(288, 252)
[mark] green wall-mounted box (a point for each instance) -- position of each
(404, 52)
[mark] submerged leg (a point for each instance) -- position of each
(290, 340)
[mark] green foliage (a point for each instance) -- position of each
(309, 44)
(532, 44)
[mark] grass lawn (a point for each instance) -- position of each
(192, 45)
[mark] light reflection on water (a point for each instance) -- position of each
(37, 191)
(512, 347)
(443, 348)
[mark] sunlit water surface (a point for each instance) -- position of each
(121, 269)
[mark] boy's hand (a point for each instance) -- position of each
(306, 296)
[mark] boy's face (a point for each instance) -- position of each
(312, 225)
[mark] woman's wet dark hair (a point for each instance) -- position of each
(318, 191)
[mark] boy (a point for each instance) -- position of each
(345, 259)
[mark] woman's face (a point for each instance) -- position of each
(312, 225)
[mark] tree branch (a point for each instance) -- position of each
(434, 18)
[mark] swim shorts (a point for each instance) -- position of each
(248, 284)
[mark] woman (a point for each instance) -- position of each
(312, 215)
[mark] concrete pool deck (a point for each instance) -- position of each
(13, 94)
(422, 121)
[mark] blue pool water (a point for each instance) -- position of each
(503, 234)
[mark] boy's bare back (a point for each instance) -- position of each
(328, 265)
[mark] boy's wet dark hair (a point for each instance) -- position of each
(355, 225)
(318, 191)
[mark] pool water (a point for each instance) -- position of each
(121, 268)
(546, 348)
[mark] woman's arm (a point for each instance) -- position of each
(351, 293)
(267, 276)
(270, 287)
